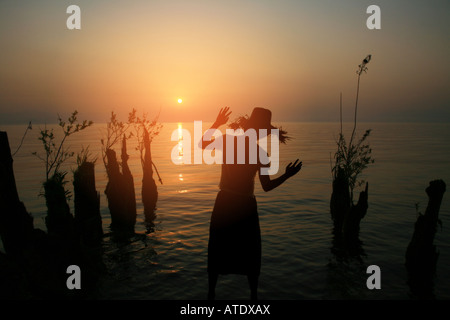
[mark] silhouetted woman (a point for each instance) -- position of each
(235, 239)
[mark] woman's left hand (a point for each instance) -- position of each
(293, 169)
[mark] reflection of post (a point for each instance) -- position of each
(180, 142)
(421, 254)
(181, 152)
(16, 225)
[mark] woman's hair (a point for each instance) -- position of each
(242, 123)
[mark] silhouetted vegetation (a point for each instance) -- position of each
(35, 263)
(350, 161)
(61, 246)
(56, 154)
(59, 220)
(120, 187)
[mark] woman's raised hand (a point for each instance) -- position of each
(292, 169)
(222, 117)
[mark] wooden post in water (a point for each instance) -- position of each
(120, 192)
(16, 225)
(421, 254)
(128, 185)
(357, 212)
(346, 215)
(149, 189)
(59, 220)
(88, 221)
(340, 202)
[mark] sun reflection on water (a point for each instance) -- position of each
(180, 142)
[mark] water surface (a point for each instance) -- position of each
(297, 261)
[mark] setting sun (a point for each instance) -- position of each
(180, 100)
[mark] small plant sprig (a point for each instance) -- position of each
(361, 68)
(115, 130)
(142, 124)
(85, 156)
(352, 159)
(56, 154)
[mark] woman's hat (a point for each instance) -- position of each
(261, 119)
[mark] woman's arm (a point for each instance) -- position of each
(222, 118)
(270, 184)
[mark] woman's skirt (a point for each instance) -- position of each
(234, 238)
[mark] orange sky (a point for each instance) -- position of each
(294, 57)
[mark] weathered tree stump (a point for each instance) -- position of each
(149, 189)
(59, 220)
(357, 212)
(421, 255)
(345, 214)
(16, 225)
(35, 262)
(128, 184)
(340, 201)
(120, 193)
(88, 221)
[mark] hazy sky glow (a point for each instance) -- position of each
(293, 57)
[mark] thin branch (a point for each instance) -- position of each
(362, 67)
(340, 111)
(23, 138)
(159, 177)
(356, 110)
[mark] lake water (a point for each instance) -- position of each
(296, 226)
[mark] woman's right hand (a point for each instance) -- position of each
(222, 117)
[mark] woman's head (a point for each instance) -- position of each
(259, 119)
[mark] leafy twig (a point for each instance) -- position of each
(56, 155)
(115, 131)
(153, 127)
